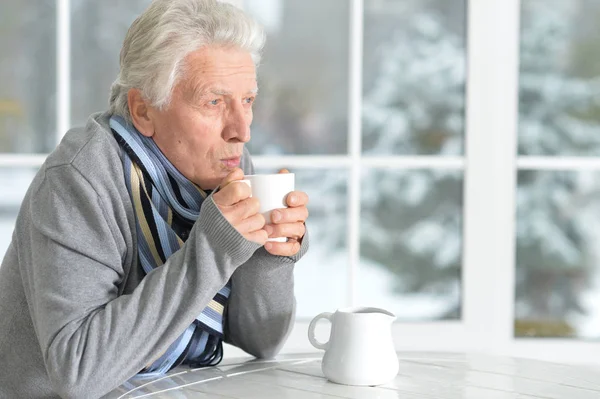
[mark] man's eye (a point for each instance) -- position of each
(215, 102)
(249, 100)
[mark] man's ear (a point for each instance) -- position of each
(140, 112)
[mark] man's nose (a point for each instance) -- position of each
(237, 127)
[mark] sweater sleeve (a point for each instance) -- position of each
(262, 306)
(91, 338)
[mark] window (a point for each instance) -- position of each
(302, 113)
(28, 89)
(449, 150)
(28, 100)
(311, 102)
(558, 207)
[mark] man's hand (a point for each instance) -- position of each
(288, 222)
(241, 210)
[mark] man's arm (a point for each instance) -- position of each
(92, 339)
(262, 306)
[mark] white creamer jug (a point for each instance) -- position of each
(360, 350)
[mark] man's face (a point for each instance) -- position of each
(204, 128)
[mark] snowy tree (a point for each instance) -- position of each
(415, 106)
(558, 115)
(554, 102)
(411, 222)
(411, 225)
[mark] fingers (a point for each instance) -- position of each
(258, 236)
(252, 224)
(241, 210)
(234, 192)
(297, 198)
(289, 215)
(244, 209)
(289, 248)
(293, 231)
(235, 174)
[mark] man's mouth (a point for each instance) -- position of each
(232, 162)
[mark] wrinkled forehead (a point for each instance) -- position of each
(226, 70)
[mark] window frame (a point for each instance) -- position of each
(489, 164)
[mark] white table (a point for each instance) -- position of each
(421, 376)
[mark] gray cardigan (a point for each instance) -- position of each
(78, 316)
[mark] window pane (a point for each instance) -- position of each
(14, 183)
(559, 112)
(320, 276)
(302, 107)
(411, 242)
(27, 76)
(98, 30)
(414, 77)
(558, 269)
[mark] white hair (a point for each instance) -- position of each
(158, 41)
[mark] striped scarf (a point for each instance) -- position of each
(166, 205)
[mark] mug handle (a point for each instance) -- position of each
(311, 330)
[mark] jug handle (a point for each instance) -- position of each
(311, 330)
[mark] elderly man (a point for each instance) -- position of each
(133, 251)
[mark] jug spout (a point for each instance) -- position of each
(371, 312)
(387, 315)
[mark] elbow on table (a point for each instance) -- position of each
(267, 346)
(268, 351)
(266, 339)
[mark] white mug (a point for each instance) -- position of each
(360, 350)
(272, 191)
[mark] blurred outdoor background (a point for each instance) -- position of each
(413, 104)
